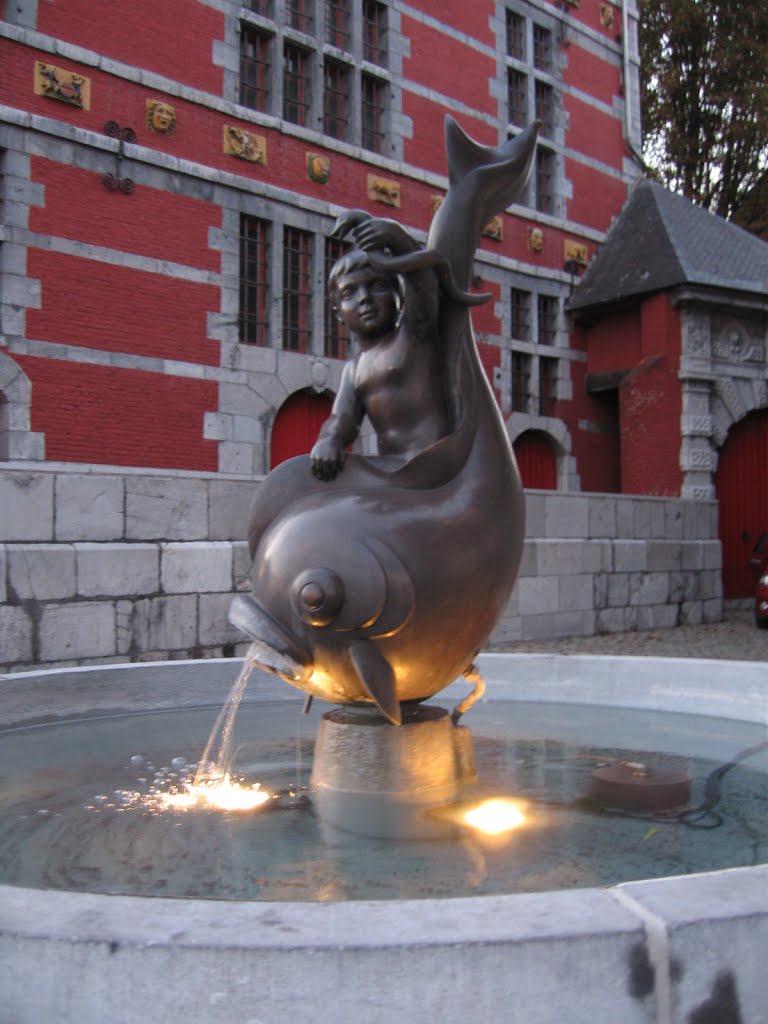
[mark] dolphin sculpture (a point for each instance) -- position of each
(380, 586)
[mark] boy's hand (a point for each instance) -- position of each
(375, 233)
(326, 458)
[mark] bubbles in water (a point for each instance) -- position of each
(181, 786)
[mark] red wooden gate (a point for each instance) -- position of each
(741, 486)
(536, 460)
(296, 425)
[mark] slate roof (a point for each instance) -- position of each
(661, 240)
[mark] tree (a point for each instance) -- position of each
(704, 82)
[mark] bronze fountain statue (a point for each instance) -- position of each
(376, 580)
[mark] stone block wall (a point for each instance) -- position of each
(599, 563)
(108, 565)
(118, 565)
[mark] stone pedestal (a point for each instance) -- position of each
(376, 779)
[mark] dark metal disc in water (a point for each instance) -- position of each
(634, 786)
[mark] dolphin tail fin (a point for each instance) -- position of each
(504, 169)
(377, 678)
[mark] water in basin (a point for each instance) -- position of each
(82, 807)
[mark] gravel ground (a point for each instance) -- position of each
(735, 638)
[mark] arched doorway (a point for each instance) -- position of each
(741, 486)
(537, 460)
(296, 425)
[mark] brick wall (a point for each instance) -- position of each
(147, 284)
(105, 565)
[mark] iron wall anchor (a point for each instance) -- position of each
(115, 182)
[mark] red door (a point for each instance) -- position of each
(297, 424)
(741, 486)
(536, 460)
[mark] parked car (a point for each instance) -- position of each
(758, 562)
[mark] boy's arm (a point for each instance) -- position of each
(421, 300)
(339, 430)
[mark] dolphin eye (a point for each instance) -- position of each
(318, 595)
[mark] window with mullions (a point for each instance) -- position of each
(545, 107)
(297, 95)
(337, 23)
(255, 68)
(253, 319)
(542, 48)
(335, 99)
(533, 92)
(336, 341)
(547, 386)
(545, 180)
(515, 35)
(300, 15)
(517, 96)
(375, 32)
(297, 290)
(548, 308)
(342, 91)
(372, 93)
(520, 308)
(262, 7)
(521, 381)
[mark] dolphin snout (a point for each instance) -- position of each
(274, 647)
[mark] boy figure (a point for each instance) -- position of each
(396, 378)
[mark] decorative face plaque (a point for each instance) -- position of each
(245, 145)
(57, 84)
(535, 240)
(161, 117)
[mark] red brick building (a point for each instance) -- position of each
(673, 316)
(171, 175)
(170, 178)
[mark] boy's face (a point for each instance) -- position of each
(367, 302)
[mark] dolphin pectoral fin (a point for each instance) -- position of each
(377, 678)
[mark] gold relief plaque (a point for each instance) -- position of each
(606, 15)
(494, 229)
(575, 252)
(58, 84)
(437, 202)
(161, 117)
(318, 168)
(535, 240)
(245, 145)
(383, 190)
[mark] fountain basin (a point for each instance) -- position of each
(670, 949)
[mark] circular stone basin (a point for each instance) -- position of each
(285, 920)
